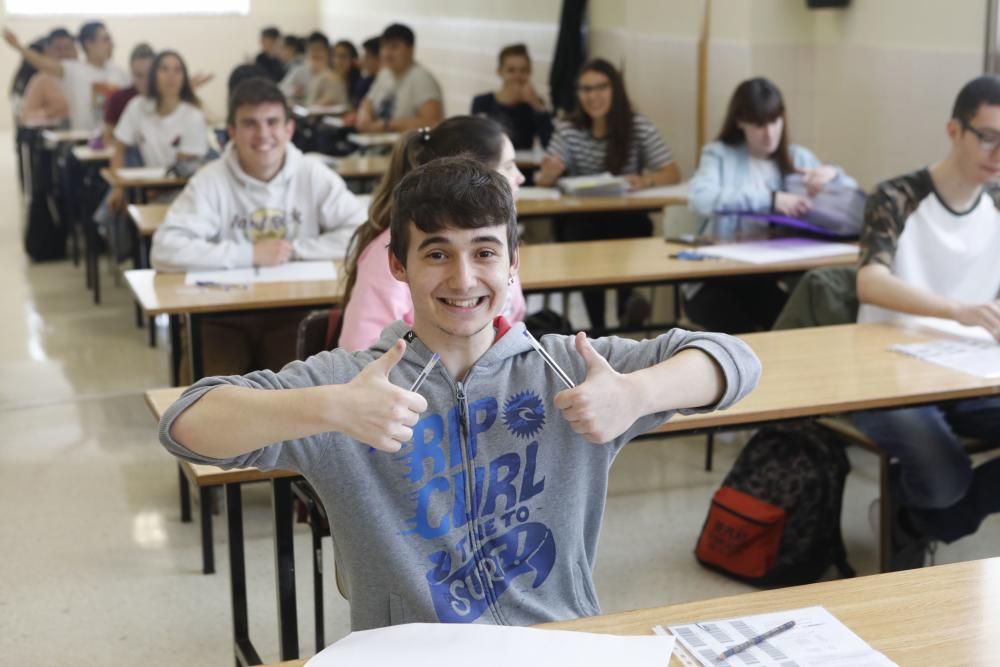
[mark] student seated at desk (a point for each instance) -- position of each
(87, 84)
(744, 170)
(344, 57)
(140, 62)
(292, 52)
(404, 95)
(373, 297)
(165, 125)
(269, 57)
(43, 98)
(314, 83)
(516, 106)
(604, 134)
(262, 204)
(371, 62)
(929, 248)
(483, 497)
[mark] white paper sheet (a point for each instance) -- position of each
(437, 644)
(380, 139)
(601, 185)
(285, 273)
(980, 358)
(141, 173)
(533, 193)
(817, 640)
(773, 251)
(678, 190)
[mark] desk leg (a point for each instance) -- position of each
(284, 557)
(185, 491)
(206, 497)
(175, 350)
(244, 651)
(194, 343)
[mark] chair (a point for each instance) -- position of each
(311, 339)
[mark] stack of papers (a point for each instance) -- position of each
(436, 644)
(818, 639)
(773, 251)
(597, 185)
(289, 272)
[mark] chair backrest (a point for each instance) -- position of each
(311, 337)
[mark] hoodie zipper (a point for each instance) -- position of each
(472, 510)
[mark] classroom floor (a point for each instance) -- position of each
(97, 568)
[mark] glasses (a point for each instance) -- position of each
(599, 88)
(988, 141)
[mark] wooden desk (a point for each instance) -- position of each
(88, 155)
(53, 138)
(207, 477)
(838, 369)
(944, 615)
(361, 166)
(147, 218)
(653, 201)
(115, 179)
(544, 268)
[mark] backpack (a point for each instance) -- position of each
(44, 235)
(776, 519)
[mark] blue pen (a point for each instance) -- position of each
(690, 255)
(753, 641)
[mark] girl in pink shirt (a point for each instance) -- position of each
(373, 297)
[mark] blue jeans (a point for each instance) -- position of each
(946, 497)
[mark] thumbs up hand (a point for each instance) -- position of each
(600, 408)
(382, 414)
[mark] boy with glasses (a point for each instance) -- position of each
(929, 249)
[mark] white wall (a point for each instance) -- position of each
(208, 43)
(869, 87)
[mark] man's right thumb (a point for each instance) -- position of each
(391, 357)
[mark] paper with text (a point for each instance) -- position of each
(774, 251)
(817, 640)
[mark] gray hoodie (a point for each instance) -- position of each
(491, 514)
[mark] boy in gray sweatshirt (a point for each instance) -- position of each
(478, 498)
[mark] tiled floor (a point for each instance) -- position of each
(97, 568)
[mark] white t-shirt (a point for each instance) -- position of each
(399, 98)
(160, 138)
(87, 89)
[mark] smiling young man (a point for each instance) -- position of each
(262, 203)
(405, 95)
(929, 249)
(483, 498)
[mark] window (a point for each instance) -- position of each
(127, 7)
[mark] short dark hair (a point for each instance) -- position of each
(318, 38)
(252, 92)
(297, 44)
(241, 73)
(88, 31)
(371, 45)
(397, 32)
(59, 33)
(141, 51)
(981, 90)
(513, 50)
(451, 192)
(270, 32)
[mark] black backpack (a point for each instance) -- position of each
(796, 470)
(44, 235)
